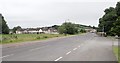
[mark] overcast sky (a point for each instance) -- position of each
(37, 13)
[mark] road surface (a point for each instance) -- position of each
(85, 47)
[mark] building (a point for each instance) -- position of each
(46, 30)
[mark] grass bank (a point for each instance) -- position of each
(15, 38)
(117, 52)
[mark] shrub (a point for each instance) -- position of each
(45, 36)
(38, 37)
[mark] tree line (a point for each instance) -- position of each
(110, 21)
(65, 28)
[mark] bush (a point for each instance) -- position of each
(38, 37)
(45, 36)
(68, 28)
(11, 41)
(57, 36)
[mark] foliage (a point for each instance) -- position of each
(68, 28)
(118, 8)
(109, 23)
(82, 30)
(116, 28)
(5, 28)
(55, 26)
(16, 28)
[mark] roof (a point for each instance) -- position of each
(37, 29)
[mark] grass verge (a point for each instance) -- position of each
(15, 38)
(116, 50)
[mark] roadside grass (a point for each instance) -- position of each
(15, 38)
(0, 38)
(116, 50)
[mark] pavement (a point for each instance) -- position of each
(86, 47)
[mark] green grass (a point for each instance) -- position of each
(15, 38)
(117, 52)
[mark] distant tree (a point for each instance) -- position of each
(68, 28)
(82, 31)
(62, 30)
(16, 28)
(55, 26)
(0, 23)
(5, 28)
(94, 27)
(89, 26)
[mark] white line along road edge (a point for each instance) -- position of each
(6, 56)
(58, 58)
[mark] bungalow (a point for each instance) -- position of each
(46, 30)
(29, 31)
(52, 31)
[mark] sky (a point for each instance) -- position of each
(39, 13)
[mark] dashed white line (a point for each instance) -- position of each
(68, 52)
(74, 48)
(6, 56)
(58, 58)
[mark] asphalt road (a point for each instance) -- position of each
(85, 47)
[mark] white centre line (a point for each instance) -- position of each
(6, 56)
(74, 48)
(58, 58)
(68, 52)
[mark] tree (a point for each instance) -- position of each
(108, 10)
(106, 22)
(118, 8)
(82, 31)
(62, 30)
(94, 27)
(55, 26)
(68, 28)
(116, 28)
(16, 28)
(5, 28)
(110, 22)
(0, 24)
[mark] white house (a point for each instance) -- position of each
(45, 30)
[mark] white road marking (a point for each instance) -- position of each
(68, 52)
(74, 48)
(58, 58)
(6, 56)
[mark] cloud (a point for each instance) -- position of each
(34, 13)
